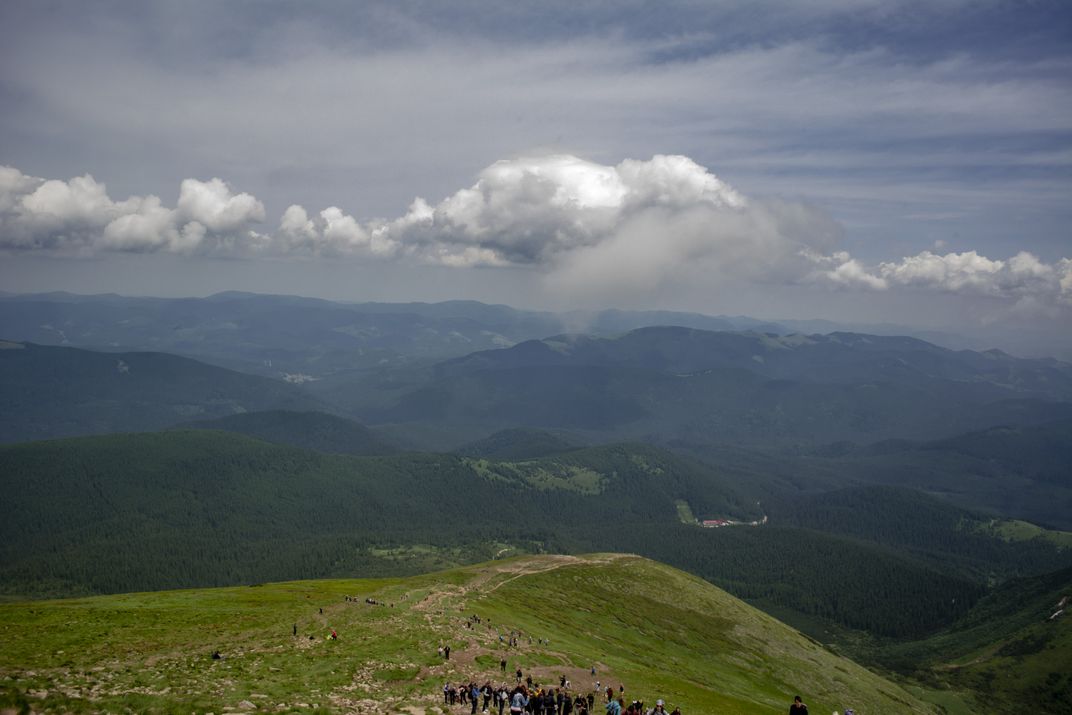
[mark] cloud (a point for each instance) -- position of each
(212, 204)
(588, 229)
(78, 216)
(534, 210)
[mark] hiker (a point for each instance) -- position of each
(561, 700)
(486, 691)
(216, 655)
(614, 707)
(580, 705)
(591, 701)
(334, 635)
(519, 701)
(502, 695)
(295, 629)
(446, 652)
(502, 662)
(658, 709)
(474, 697)
(610, 693)
(446, 693)
(321, 611)
(518, 676)
(439, 650)
(453, 694)
(798, 707)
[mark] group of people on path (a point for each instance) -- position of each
(529, 698)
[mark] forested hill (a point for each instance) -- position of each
(847, 358)
(671, 383)
(55, 392)
(190, 508)
(519, 443)
(184, 508)
(317, 431)
(1010, 648)
(928, 529)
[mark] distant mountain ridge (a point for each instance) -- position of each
(837, 357)
(673, 383)
(273, 334)
(53, 392)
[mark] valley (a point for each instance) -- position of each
(892, 500)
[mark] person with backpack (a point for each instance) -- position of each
(549, 704)
(614, 707)
(798, 707)
(502, 696)
(519, 701)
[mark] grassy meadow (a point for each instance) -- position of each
(655, 630)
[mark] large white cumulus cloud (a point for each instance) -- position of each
(587, 227)
(78, 216)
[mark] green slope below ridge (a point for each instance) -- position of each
(657, 631)
(203, 508)
(317, 431)
(183, 509)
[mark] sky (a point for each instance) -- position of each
(855, 160)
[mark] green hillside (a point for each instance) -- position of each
(317, 431)
(645, 394)
(53, 392)
(929, 529)
(1018, 471)
(1010, 649)
(201, 508)
(197, 508)
(654, 630)
(518, 443)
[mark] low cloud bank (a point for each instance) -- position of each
(589, 228)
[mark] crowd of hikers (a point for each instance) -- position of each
(540, 700)
(527, 697)
(531, 698)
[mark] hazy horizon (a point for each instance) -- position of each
(857, 161)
